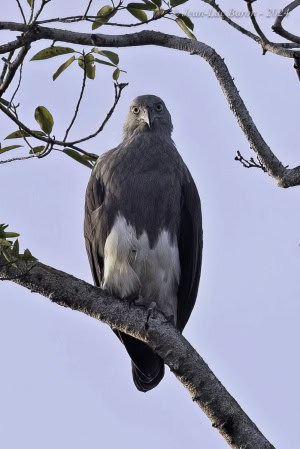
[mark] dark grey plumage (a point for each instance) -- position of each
(143, 226)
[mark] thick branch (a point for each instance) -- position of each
(189, 368)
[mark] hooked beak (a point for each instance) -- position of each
(146, 117)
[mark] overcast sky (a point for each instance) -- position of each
(65, 378)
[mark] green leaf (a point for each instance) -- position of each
(30, 2)
(78, 157)
(159, 12)
(186, 20)
(112, 56)
(16, 248)
(20, 133)
(142, 6)
(28, 256)
(5, 102)
(37, 150)
(63, 67)
(103, 16)
(177, 2)
(11, 235)
(116, 74)
(100, 61)
(44, 119)
(11, 147)
(185, 29)
(87, 63)
(51, 52)
(138, 14)
(157, 2)
(5, 243)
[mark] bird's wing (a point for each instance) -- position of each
(94, 232)
(190, 242)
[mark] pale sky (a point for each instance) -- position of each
(65, 378)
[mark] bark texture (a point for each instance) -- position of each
(187, 365)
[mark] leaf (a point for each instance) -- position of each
(5, 243)
(44, 119)
(103, 16)
(142, 6)
(138, 14)
(78, 157)
(11, 147)
(16, 248)
(157, 2)
(116, 74)
(20, 133)
(11, 234)
(159, 12)
(63, 67)
(51, 52)
(112, 56)
(37, 150)
(5, 102)
(100, 61)
(28, 256)
(186, 20)
(177, 2)
(87, 63)
(30, 2)
(185, 29)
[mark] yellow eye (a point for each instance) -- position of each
(135, 109)
(159, 107)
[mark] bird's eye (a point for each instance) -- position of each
(135, 109)
(159, 107)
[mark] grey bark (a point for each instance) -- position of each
(187, 365)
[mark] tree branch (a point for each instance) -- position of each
(187, 365)
(285, 177)
(278, 28)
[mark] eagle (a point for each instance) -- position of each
(143, 227)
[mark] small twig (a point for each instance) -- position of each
(79, 99)
(5, 66)
(21, 10)
(249, 164)
(87, 9)
(118, 92)
(17, 159)
(278, 28)
(13, 67)
(257, 28)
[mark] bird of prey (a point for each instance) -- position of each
(143, 228)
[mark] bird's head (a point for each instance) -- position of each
(147, 113)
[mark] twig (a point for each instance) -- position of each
(5, 66)
(21, 10)
(118, 92)
(251, 163)
(87, 9)
(257, 28)
(79, 99)
(12, 68)
(17, 159)
(278, 28)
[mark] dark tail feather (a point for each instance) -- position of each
(147, 367)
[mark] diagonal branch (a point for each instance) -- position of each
(187, 365)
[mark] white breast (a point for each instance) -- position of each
(132, 267)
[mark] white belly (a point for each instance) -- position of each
(132, 267)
